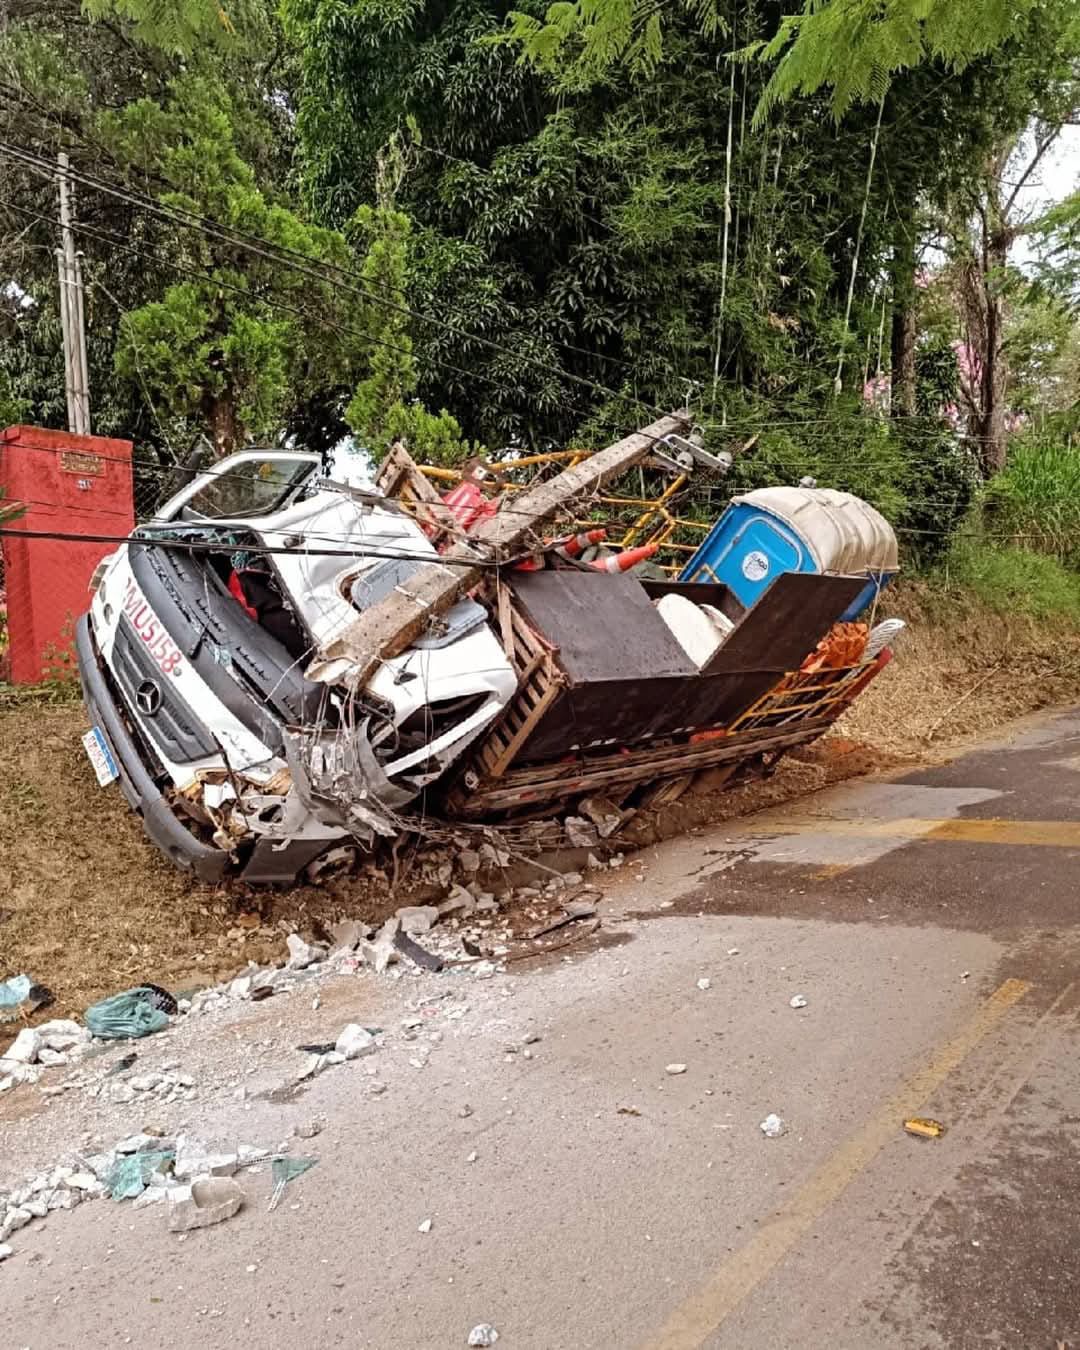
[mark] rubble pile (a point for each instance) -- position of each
(143, 1167)
(60, 1041)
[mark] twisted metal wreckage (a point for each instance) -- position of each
(279, 665)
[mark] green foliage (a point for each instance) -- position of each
(1037, 496)
(1014, 580)
(937, 377)
(181, 27)
(236, 347)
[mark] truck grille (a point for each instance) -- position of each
(160, 712)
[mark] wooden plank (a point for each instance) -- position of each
(524, 731)
(387, 628)
(506, 620)
(590, 778)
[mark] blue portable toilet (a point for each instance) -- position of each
(796, 529)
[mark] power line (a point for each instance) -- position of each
(117, 242)
(285, 256)
(138, 540)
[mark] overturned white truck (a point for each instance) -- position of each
(278, 664)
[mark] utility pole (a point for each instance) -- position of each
(72, 313)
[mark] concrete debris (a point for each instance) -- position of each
(307, 1129)
(483, 1335)
(192, 1161)
(203, 1203)
(472, 1156)
(355, 1041)
(675, 1068)
(425, 1226)
(603, 813)
(380, 952)
(5, 1251)
(733, 951)
(469, 861)
(799, 1001)
(301, 954)
(348, 934)
(580, 833)
(772, 1127)
(460, 901)
(416, 919)
(139, 1143)
(63, 1034)
(704, 983)
(24, 1048)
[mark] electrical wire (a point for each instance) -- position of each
(300, 263)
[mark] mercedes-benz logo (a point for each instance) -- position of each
(148, 697)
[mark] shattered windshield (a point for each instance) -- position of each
(250, 488)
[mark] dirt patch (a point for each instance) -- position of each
(961, 670)
(90, 907)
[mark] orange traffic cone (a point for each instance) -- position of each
(629, 557)
(576, 544)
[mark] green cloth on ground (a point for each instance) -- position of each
(132, 1013)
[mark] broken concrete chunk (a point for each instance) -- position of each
(5, 1251)
(301, 953)
(349, 933)
(469, 860)
(51, 1058)
(580, 833)
(604, 814)
(203, 1203)
(62, 1034)
(355, 1041)
(675, 1068)
(143, 1143)
(483, 1335)
(24, 1048)
(240, 987)
(191, 1162)
(15, 1218)
(418, 918)
(772, 1127)
(460, 901)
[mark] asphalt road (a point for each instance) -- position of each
(930, 924)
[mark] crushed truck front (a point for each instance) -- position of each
(193, 655)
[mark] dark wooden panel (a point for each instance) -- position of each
(786, 624)
(605, 626)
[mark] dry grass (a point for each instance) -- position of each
(962, 670)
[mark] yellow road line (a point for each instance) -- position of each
(696, 1319)
(1041, 833)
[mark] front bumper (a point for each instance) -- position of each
(161, 825)
(270, 861)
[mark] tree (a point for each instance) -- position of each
(244, 335)
(980, 241)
